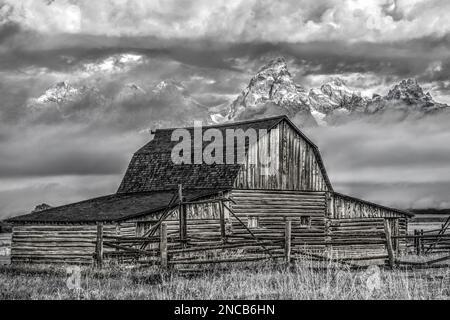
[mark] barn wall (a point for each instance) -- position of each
(299, 167)
(349, 215)
(273, 208)
(348, 234)
(202, 220)
(52, 243)
(296, 165)
(340, 235)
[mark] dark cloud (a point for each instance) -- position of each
(22, 195)
(402, 164)
(8, 30)
(212, 49)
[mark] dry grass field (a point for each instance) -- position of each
(304, 280)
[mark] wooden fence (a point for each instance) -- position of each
(159, 246)
(430, 241)
(168, 251)
(167, 242)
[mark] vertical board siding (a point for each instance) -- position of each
(5, 244)
(295, 166)
(346, 207)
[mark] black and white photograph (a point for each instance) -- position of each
(242, 151)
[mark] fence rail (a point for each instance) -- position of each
(166, 247)
(169, 251)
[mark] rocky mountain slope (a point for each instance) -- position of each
(63, 93)
(272, 91)
(167, 103)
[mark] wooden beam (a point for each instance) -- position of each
(182, 215)
(128, 249)
(222, 222)
(99, 245)
(389, 248)
(287, 241)
(163, 245)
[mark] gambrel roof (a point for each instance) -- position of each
(152, 168)
(151, 181)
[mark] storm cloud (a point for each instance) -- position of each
(58, 153)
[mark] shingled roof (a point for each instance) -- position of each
(111, 208)
(152, 168)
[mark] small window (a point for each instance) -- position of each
(252, 222)
(305, 221)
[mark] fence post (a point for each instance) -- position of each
(422, 242)
(182, 213)
(416, 241)
(287, 241)
(389, 243)
(99, 245)
(223, 233)
(163, 245)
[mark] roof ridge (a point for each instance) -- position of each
(228, 124)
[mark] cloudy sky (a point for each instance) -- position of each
(116, 52)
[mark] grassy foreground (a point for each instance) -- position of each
(257, 281)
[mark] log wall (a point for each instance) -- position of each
(273, 208)
(353, 234)
(320, 221)
(56, 243)
(353, 216)
(270, 208)
(358, 237)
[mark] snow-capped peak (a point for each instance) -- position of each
(169, 84)
(63, 93)
(407, 89)
(271, 91)
(337, 88)
(335, 94)
(277, 67)
(60, 92)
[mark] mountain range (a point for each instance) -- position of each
(159, 102)
(271, 91)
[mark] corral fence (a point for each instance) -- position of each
(434, 243)
(167, 247)
(431, 241)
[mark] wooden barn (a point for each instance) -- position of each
(217, 203)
